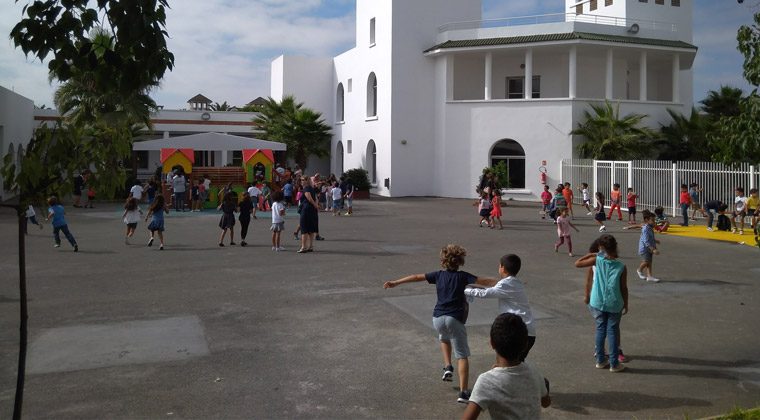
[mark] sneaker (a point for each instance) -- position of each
(741, 231)
(733, 230)
(320, 238)
(274, 249)
(56, 245)
(603, 365)
(150, 242)
(76, 248)
(618, 368)
(556, 248)
(709, 229)
(621, 357)
(243, 243)
(641, 275)
(126, 240)
(279, 249)
(588, 214)
(232, 243)
(464, 397)
(161, 248)
(653, 279)
(448, 373)
(570, 254)
(603, 229)
(295, 236)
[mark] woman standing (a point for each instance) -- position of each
(309, 216)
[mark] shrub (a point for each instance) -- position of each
(359, 178)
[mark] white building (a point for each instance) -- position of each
(425, 103)
(16, 128)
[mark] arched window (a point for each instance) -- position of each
(339, 158)
(372, 95)
(513, 155)
(372, 161)
(339, 104)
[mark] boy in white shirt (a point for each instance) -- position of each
(254, 192)
(740, 210)
(337, 195)
(512, 389)
(278, 220)
(136, 191)
(512, 297)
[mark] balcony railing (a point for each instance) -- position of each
(558, 18)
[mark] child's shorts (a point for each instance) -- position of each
(632, 210)
(751, 213)
(696, 206)
(277, 227)
(586, 202)
(646, 256)
(600, 216)
(740, 213)
(132, 225)
(337, 203)
(485, 213)
(451, 330)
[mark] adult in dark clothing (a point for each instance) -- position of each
(309, 216)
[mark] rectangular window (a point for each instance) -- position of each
(643, 1)
(516, 87)
(372, 32)
(237, 158)
(675, 3)
(141, 159)
(659, 1)
(579, 9)
(350, 85)
(349, 146)
(608, 2)
(593, 5)
(204, 158)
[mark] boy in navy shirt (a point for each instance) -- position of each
(450, 312)
(56, 212)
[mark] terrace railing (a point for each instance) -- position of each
(557, 18)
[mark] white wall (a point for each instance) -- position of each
(16, 124)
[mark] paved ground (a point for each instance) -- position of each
(198, 331)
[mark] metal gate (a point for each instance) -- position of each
(608, 173)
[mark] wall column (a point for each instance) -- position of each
(643, 77)
(528, 85)
(608, 87)
(573, 73)
(676, 78)
(489, 76)
(449, 77)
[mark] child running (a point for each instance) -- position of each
(31, 217)
(559, 203)
(647, 248)
(631, 198)
(132, 215)
(246, 208)
(615, 199)
(156, 215)
(227, 221)
(450, 311)
(57, 213)
(512, 297)
(567, 192)
(278, 220)
(496, 211)
(586, 198)
(599, 214)
(607, 299)
(563, 231)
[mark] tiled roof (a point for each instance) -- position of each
(529, 39)
(199, 99)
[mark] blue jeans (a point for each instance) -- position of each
(179, 201)
(685, 214)
(66, 233)
(607, 326)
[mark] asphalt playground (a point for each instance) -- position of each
(201, 332)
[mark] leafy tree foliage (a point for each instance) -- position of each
(723, 102)
(608, 136)
(685, 138)
(60, 28)
(738, 137)
(221, 107)
(303, 130)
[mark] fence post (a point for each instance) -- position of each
(630, 175)
(561, 172)
(752, 177)
(675, 191)
(593, 178)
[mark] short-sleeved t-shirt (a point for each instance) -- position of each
(632, 200)
(178, 184)
(450, 287)
(287, 190)
(510, 392)
(740, 204)
(58, 215)
(137, 191)
(277, 208)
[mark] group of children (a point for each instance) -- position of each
(489, 208)
(513, 388)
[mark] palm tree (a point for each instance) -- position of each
(221, 107)
(685, 138)
(722, 103)
(303, 130)
(610, 137)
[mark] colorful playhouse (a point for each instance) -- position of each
(258, 164)
(173, 157)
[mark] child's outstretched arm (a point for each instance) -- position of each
(486, 281)
(587, 260)
(493, 291)
(408, 279)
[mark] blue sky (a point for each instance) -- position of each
(227, 58)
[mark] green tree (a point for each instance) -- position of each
(723, 102)
(221, 107)
(610, 137)
(737, 138)
(303, 130)
(685, 138)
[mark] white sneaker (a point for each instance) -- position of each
(280, 249)
(603, 229)
(653, 279)
(588, 214)
(741, 231)
(641, 275)
(709, 229)
(733, 230)
(619, 368)
(274, 248)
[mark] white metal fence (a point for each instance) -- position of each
(658, 183)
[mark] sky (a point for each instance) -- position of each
(223, 48)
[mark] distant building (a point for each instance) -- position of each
(424, 104)
(199, 103)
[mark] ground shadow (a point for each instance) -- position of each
(6, 299)
(697, 362)
(579, 403)
(93, 252)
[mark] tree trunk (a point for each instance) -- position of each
(23, 316)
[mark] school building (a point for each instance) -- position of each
(432, 93)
